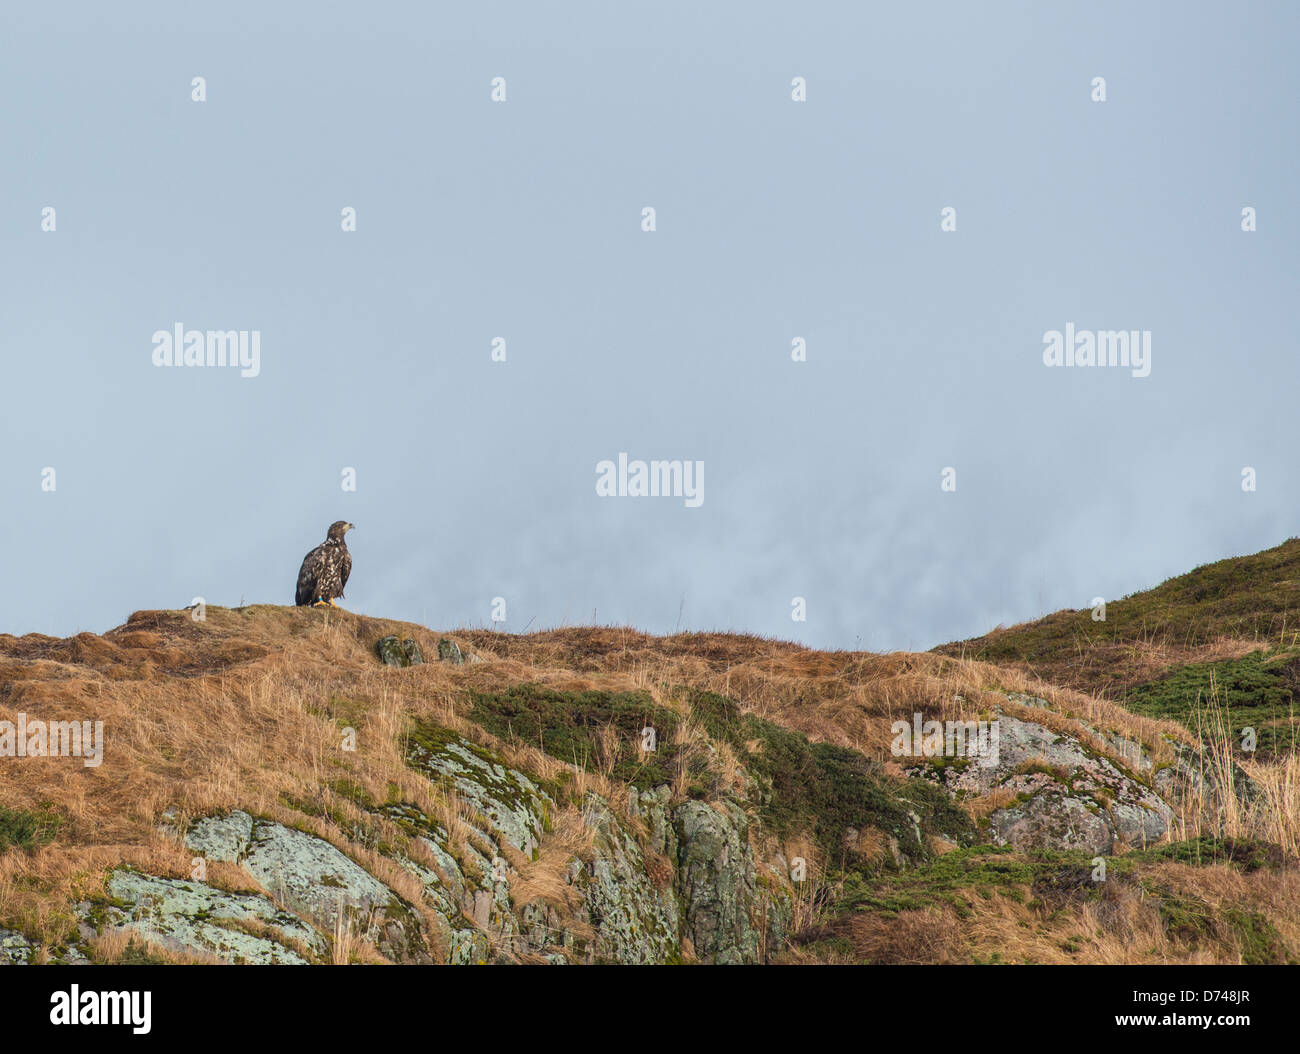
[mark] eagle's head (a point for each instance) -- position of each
(338, 529)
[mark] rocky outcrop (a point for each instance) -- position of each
(398, 653)
(1067, 796)
(1190, 777)
(314, 879)
(631, 918)
(715, 874)
(635, 921)
(657, 883)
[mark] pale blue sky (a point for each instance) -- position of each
(775, 220)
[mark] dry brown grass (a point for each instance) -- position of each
(926, 935)
(112, 945)
(546, 877)
(1121, 923)
(1272, 814)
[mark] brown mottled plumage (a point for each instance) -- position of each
(325, 569)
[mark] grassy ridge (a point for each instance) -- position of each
(1252, 598)
(1227, 632)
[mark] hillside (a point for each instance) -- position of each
(272, 790)
(1226, 633)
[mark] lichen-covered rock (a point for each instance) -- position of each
(546, 932)
(197, 918)
(450, 893)
(389, 650)
(634, 921)
(776, 899)
(698, 898)
(654, 807)
(449, 651)
(1067, 795)
(15, 949)
(715, 878)
(313, 877)
(1051, 819)
(399, 653)
(221, 838)
(506, 799)
(1191, 779)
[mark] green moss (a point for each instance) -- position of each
(411, 819)
(948, 879)
(964, 879)
(1191, 921)
(570, 726)
(942, 762)
(1187, 919)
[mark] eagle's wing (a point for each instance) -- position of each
(307, 576)
(345, 569)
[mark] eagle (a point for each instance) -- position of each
(325, 569)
